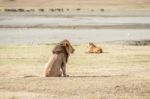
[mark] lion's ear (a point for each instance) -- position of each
(65, 44)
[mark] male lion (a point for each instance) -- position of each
(92, 48)
(56, 65)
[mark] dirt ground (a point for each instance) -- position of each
(121, 72)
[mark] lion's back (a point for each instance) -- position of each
(97, 50)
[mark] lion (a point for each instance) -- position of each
(56, 65)
(92, 48)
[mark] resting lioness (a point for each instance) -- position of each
(92, 48)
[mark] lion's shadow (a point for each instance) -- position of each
(97, 53)
(97, 76)
(84, 76)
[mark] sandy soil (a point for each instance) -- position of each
(120, 72)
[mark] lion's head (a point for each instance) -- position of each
(68, 47)
(63, 47)
(91, 44)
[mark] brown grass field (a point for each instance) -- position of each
(121, 72)
(85, 4)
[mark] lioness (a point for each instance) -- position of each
(56, 65)
(92, 48)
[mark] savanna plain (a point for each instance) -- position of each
(121, 72)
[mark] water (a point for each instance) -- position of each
(49, 35)
(78, 20)
(76, 36)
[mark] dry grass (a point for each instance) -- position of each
(121, 72)
(95, 4)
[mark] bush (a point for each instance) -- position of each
(101, 9)
(51, 10)
(78, 9)
(41, 10)
(10, 10)
(21, 10)
(67, 9)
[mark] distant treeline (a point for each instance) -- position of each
(44, 10)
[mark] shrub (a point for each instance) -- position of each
(78, 9)
(101, 9)
(21, 10)
(41, 10)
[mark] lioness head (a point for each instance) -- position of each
(91, 45)
(68, 47)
